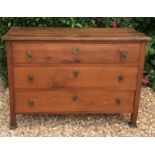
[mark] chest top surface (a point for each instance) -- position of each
(75, 34)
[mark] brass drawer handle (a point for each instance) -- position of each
(120, 77)
(123, 54)
(29, 54)
(118, 101)
(30, 77)
(76, 73)
(76, 51)
(74, 98)
(31, 103)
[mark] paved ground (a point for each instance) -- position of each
(80, 125)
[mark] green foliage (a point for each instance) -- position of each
(149, 70)
(146, 25)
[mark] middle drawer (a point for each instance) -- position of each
(77, 77)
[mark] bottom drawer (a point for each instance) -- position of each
(71, 101)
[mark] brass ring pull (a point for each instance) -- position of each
(74, 98)
(30, 77)
(120, 77)
(29, 54)
(76, 73)
(76, 51)
(123, 54)
(118, 101)
(31, 103)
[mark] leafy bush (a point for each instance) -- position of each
(149, 71)
(146, 25)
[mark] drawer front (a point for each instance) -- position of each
(74, 101)
(58, 53)
(75, 77)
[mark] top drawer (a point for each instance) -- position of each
(75, 53)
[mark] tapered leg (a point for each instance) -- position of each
(134, 115)
(10, 63)
(13, 123)
(133, 120)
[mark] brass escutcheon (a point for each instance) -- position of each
(118, 101)
(29, 54)
(74, 98)
(76, 73)
(76, 51)
(31, 103)
(120, 77)
(123, 54)
(30, 77)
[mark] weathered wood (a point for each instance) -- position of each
(134, 115)
(13, 123)
(65, 77)
(63, 53)
(85, 34)
(81, 70)
(85, 101)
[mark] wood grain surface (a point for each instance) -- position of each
(77, 34)
(79, 70)
(64, 77)
(86, 101)
(60, 53)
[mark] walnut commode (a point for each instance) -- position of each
(74, 70)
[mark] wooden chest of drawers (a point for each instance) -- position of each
(64, 70)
